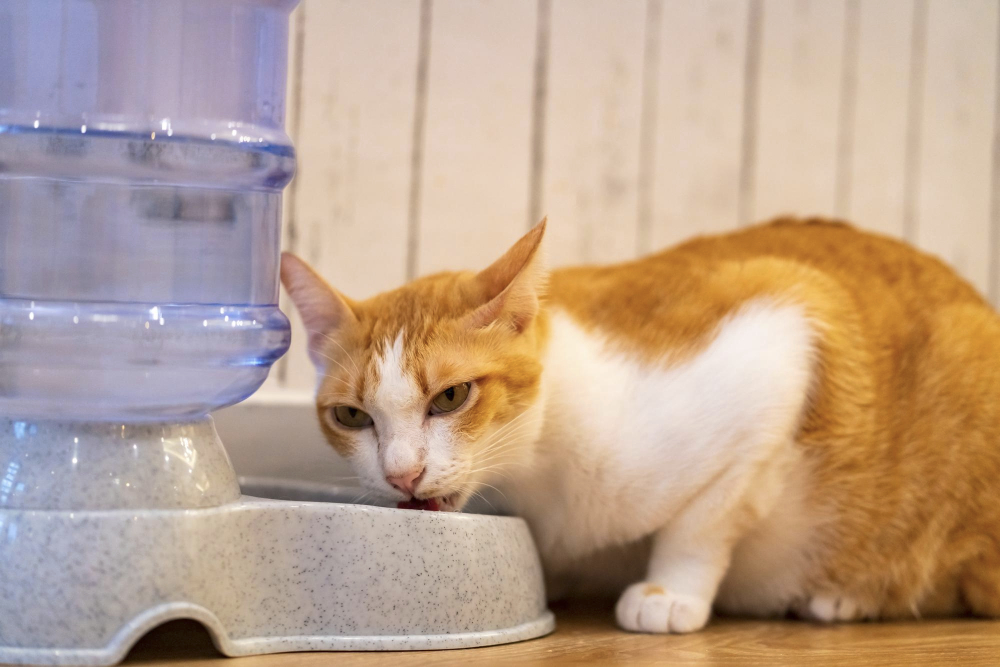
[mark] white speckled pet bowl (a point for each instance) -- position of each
(81, 585)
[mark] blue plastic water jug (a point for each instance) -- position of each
(142, 158)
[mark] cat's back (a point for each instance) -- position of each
(683, 292)
(858, 260)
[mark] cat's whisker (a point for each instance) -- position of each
(500, 465)
(507, 458)
(497, 490)
(337, 343)
(499, 459)
(513, 422)
(342, 366)
(346, 353)
(498, 469)
(491, 466)
(367, 495)
(478, 494)
(502, 442)
(500, 475)
(505, 438)
(491, 458)
(357, 500)
(506, 427)
(508, 430)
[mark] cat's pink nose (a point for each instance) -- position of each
(407, 481)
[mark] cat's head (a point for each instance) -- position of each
(432, 389)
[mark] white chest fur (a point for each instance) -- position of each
(627, 445)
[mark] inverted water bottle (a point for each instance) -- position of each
(142, 158)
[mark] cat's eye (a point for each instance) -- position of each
(351, 417)
(451, 398)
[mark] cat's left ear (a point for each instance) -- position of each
(513, 285)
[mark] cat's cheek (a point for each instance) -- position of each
(443, 460)
(364, 460)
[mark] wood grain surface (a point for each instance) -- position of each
(586, 634)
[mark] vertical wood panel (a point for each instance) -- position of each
(994, 286)
(293, 119)
(700, 118)
(279, 375)
(797, 119)
(953, 199)
(354, 140)
(877, 155)
(539, 100)
(476, 152)
(847, 106)
(592, 137)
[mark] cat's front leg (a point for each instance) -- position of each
(683, 576)
(690, 555)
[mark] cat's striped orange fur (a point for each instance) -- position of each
(798, 416)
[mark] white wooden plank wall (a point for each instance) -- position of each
(476, 147)
(593, 109)
(353, 97)
(801, 59)
(699, 115)
(872, 184)
(432, 133)
(952, 213)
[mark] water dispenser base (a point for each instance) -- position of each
(264, 576)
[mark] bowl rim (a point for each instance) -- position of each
(247, 482)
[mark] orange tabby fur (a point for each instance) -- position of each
(901, 430)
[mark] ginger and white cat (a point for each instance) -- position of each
(796, 417)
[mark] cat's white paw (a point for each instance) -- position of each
(648, 607)
(830, 609)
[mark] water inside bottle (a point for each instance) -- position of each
(137, 271)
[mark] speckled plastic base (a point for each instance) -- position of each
(263, 575)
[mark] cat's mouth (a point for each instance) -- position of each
(436, 504)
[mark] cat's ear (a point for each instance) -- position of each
(513, 284)
(323, 309)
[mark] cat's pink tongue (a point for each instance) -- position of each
(430, 505)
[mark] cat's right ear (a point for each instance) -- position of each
(323, 309)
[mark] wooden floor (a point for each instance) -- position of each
(587, 635)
